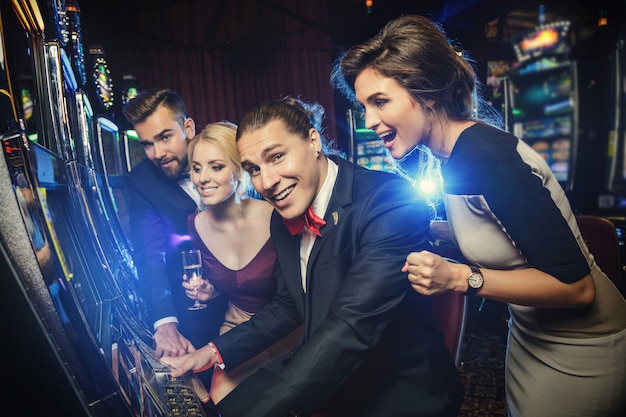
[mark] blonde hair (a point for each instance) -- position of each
(222, 134)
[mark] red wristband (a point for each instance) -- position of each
(220, 361)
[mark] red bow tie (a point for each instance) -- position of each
(309, 220)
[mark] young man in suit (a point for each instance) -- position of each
(370, 345)
(161, 197)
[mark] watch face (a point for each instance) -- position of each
(475, 280)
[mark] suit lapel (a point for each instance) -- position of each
(167, 186)
(290, 246)
(340, 197)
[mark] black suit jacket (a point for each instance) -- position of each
(158, 212)
(370, 343)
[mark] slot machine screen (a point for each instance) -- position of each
(367, 149)
(133, 148)
(70, 242)
(109, 145)
(543, 109)
(537, 95)
(550, 39)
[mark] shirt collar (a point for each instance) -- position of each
(320, 204)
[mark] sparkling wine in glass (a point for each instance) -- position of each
(192, 264)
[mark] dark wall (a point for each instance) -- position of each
(226, 56)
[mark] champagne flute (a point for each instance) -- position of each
(192, 264)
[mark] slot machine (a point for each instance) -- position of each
(109, 151)
(76, 338)
(612, 197)
(109, 142)
(558, 100)
(132, 150)
(612, 201)
(541, 98)
(366, 148)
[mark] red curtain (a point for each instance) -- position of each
(224, 57)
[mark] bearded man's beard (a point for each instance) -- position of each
(175, 171)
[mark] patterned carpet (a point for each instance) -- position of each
(482, 360)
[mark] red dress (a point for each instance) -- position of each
(248, 290)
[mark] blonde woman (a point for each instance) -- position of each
(233, 234)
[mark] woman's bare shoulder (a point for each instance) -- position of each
(259, 208)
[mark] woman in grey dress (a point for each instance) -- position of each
(511, 219)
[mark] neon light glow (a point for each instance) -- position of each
(543, 39)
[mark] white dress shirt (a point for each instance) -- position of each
(319, 206)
